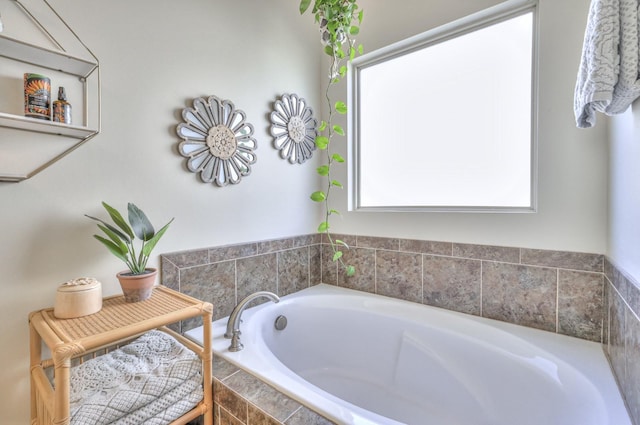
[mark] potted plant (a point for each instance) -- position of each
(339, 22)
(136, 282)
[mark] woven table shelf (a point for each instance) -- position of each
(117, 322)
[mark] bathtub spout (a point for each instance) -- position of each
(233, 324)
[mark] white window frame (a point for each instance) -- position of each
(504, 11)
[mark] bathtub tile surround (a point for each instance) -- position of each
(577, 294)
(552, 290)
(622, 335)
(520, 294)
(241, 399)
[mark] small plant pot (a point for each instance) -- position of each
(137, 287)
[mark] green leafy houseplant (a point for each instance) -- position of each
(122, 235)
(339, 22)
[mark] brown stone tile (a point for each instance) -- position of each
(426, 247)
(259, 273)
(563, 260)
(392, 244)
(262, 395)
(633, 296)
(452, 283)
(487, 252)
(304, 416)
(315, 265)
(329, 267)
(259, 417)
(224, 417)
(520, 294)
(399, 275)
(265, 247)
(230, 400)
(616, 337)
(364, 261)
(214, 283)
(169, 274)
(182, 259)
(306, 240)
(605, 315)
(580, 305)
(632, 382)
(222, 368)
(232, 252)
(293, 270)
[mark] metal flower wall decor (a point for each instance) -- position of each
(217, 141)
(294, 129)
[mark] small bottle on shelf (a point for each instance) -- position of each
(62, 108)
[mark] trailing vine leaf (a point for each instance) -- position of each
(339, 22)
(318, 196)
(323, 170)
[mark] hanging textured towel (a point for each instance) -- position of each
(608, 75)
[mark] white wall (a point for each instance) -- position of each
(155, 57)
(572, 163)
(624, 188)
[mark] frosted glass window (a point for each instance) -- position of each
(449, 125)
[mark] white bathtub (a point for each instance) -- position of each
(358, 358)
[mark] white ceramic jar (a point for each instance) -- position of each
(78, 297)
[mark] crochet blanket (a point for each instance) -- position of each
(152, 380)
(608, 78)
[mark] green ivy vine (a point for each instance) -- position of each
(339, 22)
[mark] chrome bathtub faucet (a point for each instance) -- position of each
(233, 324)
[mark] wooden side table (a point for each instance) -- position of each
(117, 322)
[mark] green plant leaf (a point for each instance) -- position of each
(338, 130)
(151, 243)
(140, 224)
(343, 71)
(323, 126)
(328, 50)
(120, 235)
(318, 196)
(323, 170)
(337, 255)
(343, 243)
(322, 142)
(360, 16)
(118, 219)
(115, 250)
(352, 53)
(323, 227)
(354, 30)
(350, 270)
(341, 107)
(360, 49)
(115, 238)
(304, 5)
(334, 212)
(337, 158)
(336, 183)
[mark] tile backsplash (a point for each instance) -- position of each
(577, 294)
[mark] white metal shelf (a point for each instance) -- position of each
(29, 145)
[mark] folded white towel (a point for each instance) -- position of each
(608, 75)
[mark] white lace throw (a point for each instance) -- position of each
(608, 75)
(153, 381)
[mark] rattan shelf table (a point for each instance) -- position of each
(118, 321)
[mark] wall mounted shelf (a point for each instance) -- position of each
(29, 145)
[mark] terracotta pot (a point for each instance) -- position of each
(137, 287)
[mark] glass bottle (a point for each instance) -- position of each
(62, 108)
